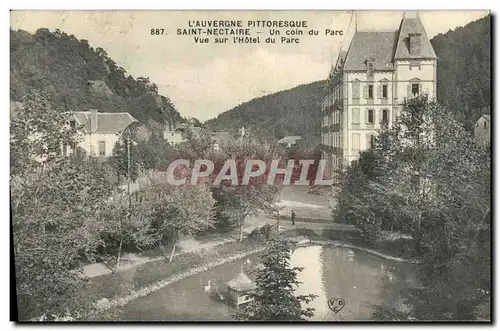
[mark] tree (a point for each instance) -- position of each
(38, 132)
(187, 210)
(56, 203)
(274, 298)
(120, 159)
(234, 201)
(448, 207)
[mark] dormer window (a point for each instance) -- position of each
(415, 40)
(369, 68)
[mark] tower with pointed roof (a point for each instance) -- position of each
(369, 84)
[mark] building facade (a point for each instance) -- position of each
(482, 130)
(99, 131)
(369, 84)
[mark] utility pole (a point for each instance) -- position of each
(128, 172)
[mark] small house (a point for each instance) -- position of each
(238, 289)
(482, 129)
(289, 141)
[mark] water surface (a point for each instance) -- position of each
(361, 279)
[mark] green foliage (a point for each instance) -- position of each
(186, 211)
(233, 202)
(56, 212)
(120, 159)
(78, 77)
(434, 179)
(295, 112)
(464, 70)
(274, 298)
(37, 133)
(463, 85)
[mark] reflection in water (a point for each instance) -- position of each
(310, 259)
(359, 278)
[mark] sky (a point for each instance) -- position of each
(204, 80)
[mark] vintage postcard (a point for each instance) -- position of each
(251, 166)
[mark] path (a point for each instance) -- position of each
(306, 206)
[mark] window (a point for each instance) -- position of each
(415, 89)
(102, 148)
(355, 141)
(485, 125)
(370, 91)
(371, 140)
(355, 116)
(384, 91)
(385, 116)
(371, 116)
(72, 124)
(355, 89)
(370, 68)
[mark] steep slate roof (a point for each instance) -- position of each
(486, 117)
(106, 122)
(383, 47)
(413, 25)
(376, 45)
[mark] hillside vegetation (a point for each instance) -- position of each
(294, 112)
(78, 77)
(464, 86)
(464, 70)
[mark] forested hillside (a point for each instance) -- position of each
(294, 112)
(464, 86)
(464, 70)
(78, 77)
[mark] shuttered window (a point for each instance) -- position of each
(385, 116)
(355, 116)
(370, 116)
(102, 148)
(355, 90)
(355, 141)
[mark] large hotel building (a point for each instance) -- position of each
(368, 86)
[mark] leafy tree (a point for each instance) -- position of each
(37, 133)
(274, 298)
(186, 211)
(120, 159)
(234, 201)
(56, 207)
(448, 207)
(72, 65)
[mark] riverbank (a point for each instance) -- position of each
(116, 290)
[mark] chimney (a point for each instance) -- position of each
(415, 43)
(93, 120)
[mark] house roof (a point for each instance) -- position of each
(289, 139)
(106, 122)
(376, 45)
(241, 283)
(413, 25)
(383, 47)
(487, 117)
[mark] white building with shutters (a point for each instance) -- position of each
(368, 86)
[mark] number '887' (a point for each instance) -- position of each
(157, 32)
